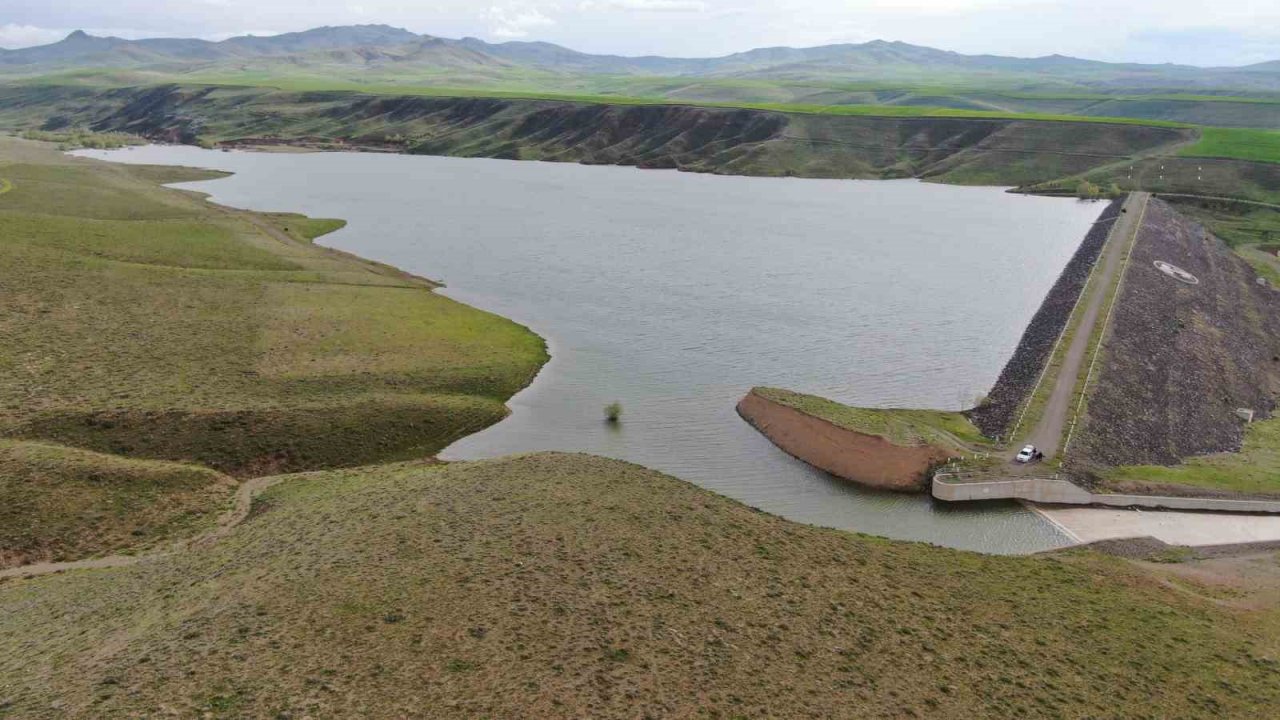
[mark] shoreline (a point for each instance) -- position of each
(534, 377)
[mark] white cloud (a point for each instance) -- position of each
(1136, 30)
(19, 36)
(645, 5)
(516, 19)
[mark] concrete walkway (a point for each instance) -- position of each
(1088, 524)
(1048, 433)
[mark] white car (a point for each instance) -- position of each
(1027, 454)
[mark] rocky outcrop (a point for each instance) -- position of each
(996, 416)
(865, 459)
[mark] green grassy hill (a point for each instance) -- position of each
(571, 586)
(874, 78)
(948, 146)
(1038, 152)
(144, 323)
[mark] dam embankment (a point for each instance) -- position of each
(998, 414)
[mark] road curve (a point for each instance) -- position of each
(1047, 434)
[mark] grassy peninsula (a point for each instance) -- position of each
(145, 323)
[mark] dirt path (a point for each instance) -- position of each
(236, 514)
(1048, 432)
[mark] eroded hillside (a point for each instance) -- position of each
(701, 139)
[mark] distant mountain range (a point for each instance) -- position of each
(389, 49)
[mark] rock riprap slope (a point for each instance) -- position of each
(997, 415)
(1180, 357)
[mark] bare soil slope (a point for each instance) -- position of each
(863, 458)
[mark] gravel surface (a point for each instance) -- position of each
(1181, 358)
(996, 416)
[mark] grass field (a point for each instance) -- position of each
(1229, 123)
(143, 323)
(900, 427)
(59, 503)
(76, 139)
(1039, 152)
(941, 92)
(1255, 470)
(1216, 142)
(1238, 225)
(323, 84)
(570, 586)
(1237, 143)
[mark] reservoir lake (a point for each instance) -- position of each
(675, 293)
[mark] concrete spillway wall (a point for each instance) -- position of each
(1056, 491)
(859, 457)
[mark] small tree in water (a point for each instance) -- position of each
(613, 412)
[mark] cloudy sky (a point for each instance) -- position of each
(1227, 32)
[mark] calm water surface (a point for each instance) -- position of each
(675, 293)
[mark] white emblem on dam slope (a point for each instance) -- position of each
(1176, 273)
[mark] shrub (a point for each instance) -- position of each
(613, 412)
(1087, 190)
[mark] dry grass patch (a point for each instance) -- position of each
(571, 586)
(59, 503)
